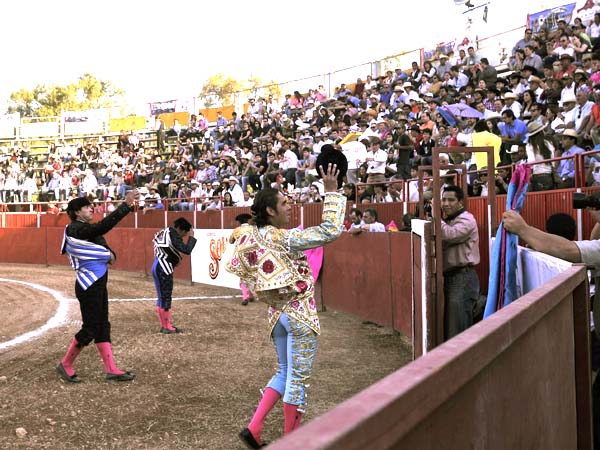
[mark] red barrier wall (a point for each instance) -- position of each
(54, 220)
(400, 278)
(369, 276)
(133, 247)
(23, 245)
(21, 220)
(151, 218)
(54, 238)
(517, 380)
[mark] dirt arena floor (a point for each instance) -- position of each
(196, 390)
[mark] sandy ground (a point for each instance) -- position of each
(193, 391)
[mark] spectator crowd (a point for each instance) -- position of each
(544, 107)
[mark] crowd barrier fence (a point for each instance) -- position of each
(497, 385)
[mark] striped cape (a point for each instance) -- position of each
(163, 248)
(89, 260)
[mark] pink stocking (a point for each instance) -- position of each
(69, 359)
(266, 404)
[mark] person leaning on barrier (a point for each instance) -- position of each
(587, 252)
(370, 223)
(460, 240)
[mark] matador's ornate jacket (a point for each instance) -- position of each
(273, 260)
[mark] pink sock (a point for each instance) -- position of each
(105, 350)
(161, 318)
(291, 417)
(167, 316)
(266, 404)
(69, 359)
(245, 293)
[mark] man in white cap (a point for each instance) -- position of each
(443, 66)
(566, 167)
(237, 195)
(396, 98)
(517, 154)
(510, 101)
(409, 93)
(568, 113)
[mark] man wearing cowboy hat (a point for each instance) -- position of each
(566, 66)
(510, 101)
(567, 114)
(443, 66)
(566, 167)
(237, 195)
(409, 93)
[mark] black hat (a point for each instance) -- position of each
(77, 203)
(329, 155)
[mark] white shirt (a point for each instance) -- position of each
(291, 160)
(248, 202)
(377, 165)
(355, 152)
(376, 227)
(237, 195)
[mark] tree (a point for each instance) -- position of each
(43, 101)
(219, 89)
(222, 91)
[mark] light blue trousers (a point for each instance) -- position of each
(296, 346)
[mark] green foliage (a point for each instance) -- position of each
(219, 89)
(87, 92)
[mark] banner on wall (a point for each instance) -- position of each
(91, 121)
(39, 127)
(157, 108)
(131, 123)
(211, 253)
(9, 124)
(549, 18)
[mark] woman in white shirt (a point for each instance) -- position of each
(539, 149)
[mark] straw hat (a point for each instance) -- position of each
(534, 128)
(570, 133)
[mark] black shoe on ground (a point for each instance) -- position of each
(127, 376)
(65, 376)
(174, 331)
(248, 439)
(244, 302)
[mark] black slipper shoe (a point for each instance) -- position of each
(248, 439)
(127, 376)
(65, 376)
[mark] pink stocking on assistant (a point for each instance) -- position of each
(161, 316)
(105, 350)
(69, 359)
(167, 316)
